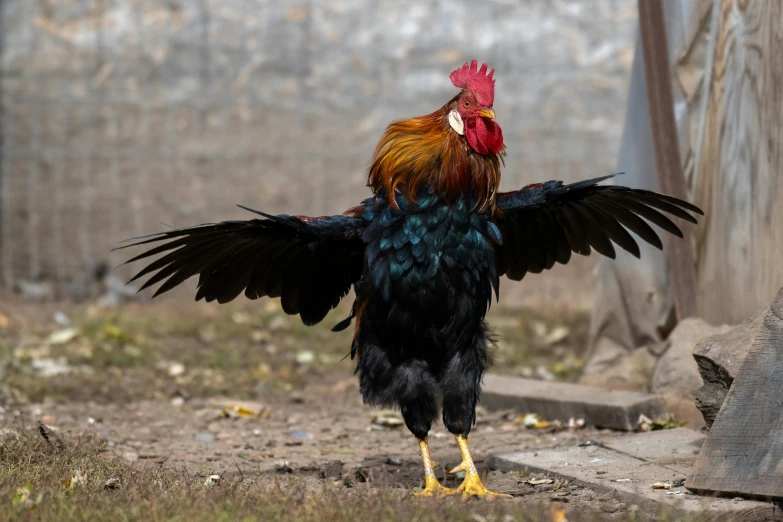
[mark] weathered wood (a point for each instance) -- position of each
(618, 410)
(743, 454)
(740, 186)
(719, 358)
(652, 24)
(633, 305)
(625, 468)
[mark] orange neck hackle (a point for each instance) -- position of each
(426, 151)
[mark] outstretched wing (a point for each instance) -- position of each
(543, 223)
(310, 263)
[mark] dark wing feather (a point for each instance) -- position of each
(542, 224)
(310, 263)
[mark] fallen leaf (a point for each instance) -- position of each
(76, 480)
(50, 436)
(305, 357)
(63, 336)
(667, 423)
(50, 367)
(113, 331)
(560, 333)
(387, 418)
(212, 481)
(176, 369)
(528, 420)
(644, 423)
(243, 409)
(24, 498)
(537, 481)
(155, 459)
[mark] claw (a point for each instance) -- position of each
(472, 487)
(464, 466)
(433, 489)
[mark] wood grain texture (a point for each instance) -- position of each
(740, 186)
(743, 454)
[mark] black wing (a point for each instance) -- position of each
(310, 263)
(543, 223)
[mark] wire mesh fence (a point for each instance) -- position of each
(119, 115)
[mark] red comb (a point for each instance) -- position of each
(477, 81)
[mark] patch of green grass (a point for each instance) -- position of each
(245, 349)
(77, 481)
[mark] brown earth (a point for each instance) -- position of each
(248, 394)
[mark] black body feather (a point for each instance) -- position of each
(424, 275)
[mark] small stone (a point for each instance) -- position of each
(130, 456)
(205, 437)
(176, 369)
(282, 466)
(305, 357)
(277, 323)
(391, 461)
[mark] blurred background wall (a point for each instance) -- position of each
(120, 115)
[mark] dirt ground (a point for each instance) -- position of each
(249, 394)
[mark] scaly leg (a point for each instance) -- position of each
(472, 486)
(432, 487)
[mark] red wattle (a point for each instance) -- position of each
(484, 135)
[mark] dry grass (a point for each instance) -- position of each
(37, 483)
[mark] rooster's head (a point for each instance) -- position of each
(471, 112)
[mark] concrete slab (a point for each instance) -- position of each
(626, 468)
(617, 410)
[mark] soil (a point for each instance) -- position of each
(307, 425)
(323, 435)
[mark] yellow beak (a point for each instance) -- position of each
(487, 113)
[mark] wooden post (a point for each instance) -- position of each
(667, 153)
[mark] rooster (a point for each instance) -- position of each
(424, 256)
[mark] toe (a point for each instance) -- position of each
(463, 466)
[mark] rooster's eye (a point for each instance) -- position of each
(467, 104)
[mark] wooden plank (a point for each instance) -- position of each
(652, 24)
(613, 409)
(739, 184)
(743, 454)
(626, 468)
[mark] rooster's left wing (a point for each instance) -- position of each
(543, 223)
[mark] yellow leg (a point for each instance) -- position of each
(432, 487)
(472, 486)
